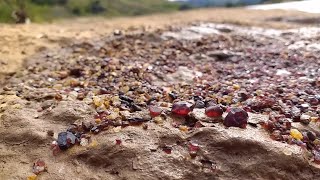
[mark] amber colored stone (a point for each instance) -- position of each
(296, 134)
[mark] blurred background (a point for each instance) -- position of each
(21, 11)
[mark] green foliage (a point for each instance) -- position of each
(5, 12)
(47, 10)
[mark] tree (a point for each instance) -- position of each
(96, 7)
(18, 10)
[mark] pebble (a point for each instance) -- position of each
(236, 117)
(158, 120)
(214, 111)
(84, 142)
(39, 166)
(296, 134)
(251, 78)
(181, 108)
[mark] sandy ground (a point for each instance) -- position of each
(20, 41)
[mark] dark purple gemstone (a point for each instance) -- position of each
(237, 117)
(313, 100)
(311, 136)
(95, 130)
(199, 104)
(66, 140)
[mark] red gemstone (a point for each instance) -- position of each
(155, 111)
(236, 117)
(181, 108)
(194, 147)
(167, 149)
(214, 111)
(118, 141)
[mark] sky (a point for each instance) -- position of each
(311, 6)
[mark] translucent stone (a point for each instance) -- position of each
(193, 147)
(181, 108)
(113, 116)
(84, 142)
(97, 101)
(237, 117)
(167, 149)
(93, 144)
(183, 128)
(38, 167)
(214, 111)
(296, 134)
(236, 86)
(316, 156)
(155, 111)
(118, 141)
(32, 177)
(158, 120)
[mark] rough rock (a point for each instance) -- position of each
(224, 152)
(182, 75)
(68, 112)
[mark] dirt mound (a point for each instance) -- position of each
(224, 153)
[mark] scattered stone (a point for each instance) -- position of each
(155, 111)
(39, 166)
(50, 133)
(113, 81)
(32, 177)
(183, 128)
(214, 111)
(283, 72)
(236, 117)
(145, 126)
(84, 142)
(305, 119)
(181, 108)
(296, 134)
(66, 140)
(167, 149)
(158, 120)
(118, 142)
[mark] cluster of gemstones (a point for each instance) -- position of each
(135, 72)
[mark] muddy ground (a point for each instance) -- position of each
(110, 78)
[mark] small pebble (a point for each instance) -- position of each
(296, 134)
